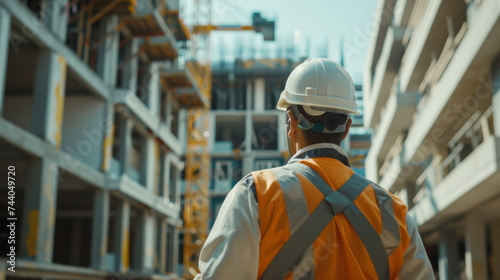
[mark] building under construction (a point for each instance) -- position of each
(90, 97)
(431, 91)
(247, 132)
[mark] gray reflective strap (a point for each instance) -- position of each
(298, 243)
(334, 203)
(297, 212)
(390, 233)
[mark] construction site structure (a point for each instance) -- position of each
(91, 94)
(247, 132)
(431, 91)
(195, 199)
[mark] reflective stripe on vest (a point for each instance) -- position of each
(286, 200)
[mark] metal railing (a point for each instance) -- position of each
(474, 132)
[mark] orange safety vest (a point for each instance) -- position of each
(338, 252)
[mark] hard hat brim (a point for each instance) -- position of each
(288, 98)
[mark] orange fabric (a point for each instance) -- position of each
(339, 253)
(274, 226)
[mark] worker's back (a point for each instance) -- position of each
(286, 199)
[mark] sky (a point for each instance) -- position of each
(315, 28)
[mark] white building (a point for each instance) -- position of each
(431, 95)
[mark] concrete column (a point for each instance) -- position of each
(125, 144)
(149, 242)
(448, 255)
(139, 236)
(259, 94)
(249, 132)
(495, 248)
(175, 258)
(495, 69)
(410, 190)
(76, 237)
(177, 194)
(148, 163)
(167, 176)
(39, 213)
(475, 247)
(169, 110)
(107, 53)
(100, 221)
(281, 133)
(371, 167)
(56, 18)
(5, 20)
(496, 110)
(153, 89)
(249, 94)
(108, 129)
(50, 81)
(121, 238)
(129, 73)
(161, 247)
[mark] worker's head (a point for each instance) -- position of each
(318, 97)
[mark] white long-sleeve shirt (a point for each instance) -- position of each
(231, 250)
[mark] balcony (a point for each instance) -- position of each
(466, 178)
(440, 20)
(384, 15)
(191, 84)
(396, 118)
(385, 73)
(402, 12)
(395, 173)
(462, 83)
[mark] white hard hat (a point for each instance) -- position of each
(319, 85)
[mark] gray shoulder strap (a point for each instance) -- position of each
(334, 202)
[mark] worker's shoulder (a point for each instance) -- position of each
(384, 194)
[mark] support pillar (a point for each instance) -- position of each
(495, 248)
(175, 258)
(250, 95)
(50, 81)
(161, 242)
(153, 89)
(168, 177)
(149, 163)
(107, 53)
(495, 86)
(100, 221)
(57, 18)
(125, 144)
(39, 213)
(177, 188)
(129, 74)
(475, 248)
(259, 94)
(122, 235)
(410, 190)
(139, 236)
(108, 130)
(448, 255)
(149, 243)
(5, 20)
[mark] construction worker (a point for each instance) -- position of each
(314, 218)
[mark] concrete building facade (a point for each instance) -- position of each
(431, 95)
(246, 131)
(90, 98)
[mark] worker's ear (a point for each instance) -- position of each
(347, 126)
(293, 123)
